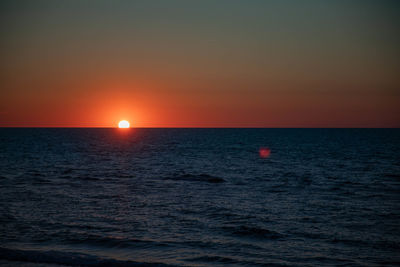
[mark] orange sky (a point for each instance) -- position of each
(206, 64)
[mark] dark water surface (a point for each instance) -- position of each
(200, 197)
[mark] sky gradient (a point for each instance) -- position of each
(200, 63)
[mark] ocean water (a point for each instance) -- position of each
(199, 197)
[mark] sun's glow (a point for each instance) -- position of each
(123, 124)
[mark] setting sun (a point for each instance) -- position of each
(123, 124)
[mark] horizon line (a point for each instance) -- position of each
(190, 127)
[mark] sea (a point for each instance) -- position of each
(199, 197)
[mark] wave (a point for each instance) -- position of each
(215, 259)
(67, 258)
(253, 232)
(393, 175)
(111, 242)
(220, 260)
(386, 244)
(196, 178)
(88, 178)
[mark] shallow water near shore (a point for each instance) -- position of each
(200, 197)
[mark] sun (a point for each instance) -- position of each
(123, 124)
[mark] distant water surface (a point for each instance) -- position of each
(200, 197)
